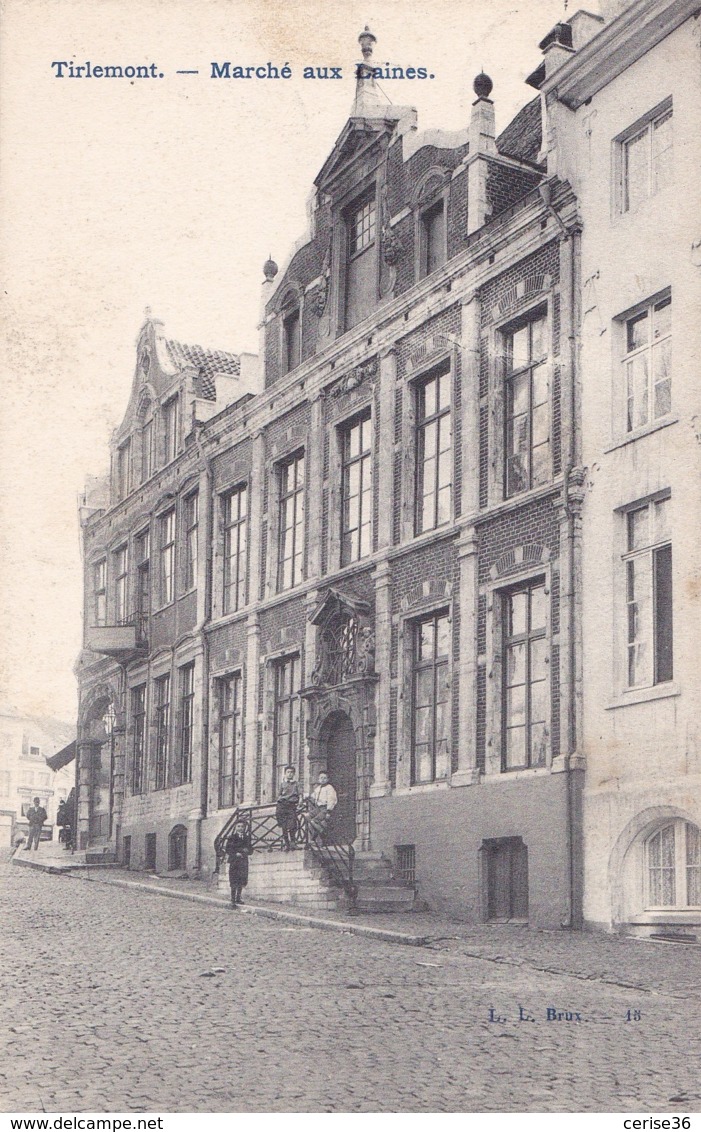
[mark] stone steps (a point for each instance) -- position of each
(297, 878)
(384, 898)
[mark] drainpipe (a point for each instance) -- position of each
(204, 776)
(572, 497)
(575, 487)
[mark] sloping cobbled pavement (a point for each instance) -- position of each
(113, 1004)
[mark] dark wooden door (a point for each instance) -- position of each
(178, 849)
(507, 880)
(340, 754)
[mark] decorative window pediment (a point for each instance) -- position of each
(345, 646)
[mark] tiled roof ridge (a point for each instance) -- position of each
(208, 351)
(521, 138)
(207, 361)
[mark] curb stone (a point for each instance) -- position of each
(364, 930)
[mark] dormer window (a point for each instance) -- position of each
(432, 237)
(361, 259)
(362, 227)
(292, 339)
(171, 429)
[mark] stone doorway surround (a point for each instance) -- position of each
(343, 683)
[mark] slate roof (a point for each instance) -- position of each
(522, 137)
(206, 362)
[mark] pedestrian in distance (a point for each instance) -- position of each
(286, 807)
(36, 816)
(238, 850)
(321, 804)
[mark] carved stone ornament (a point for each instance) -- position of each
(345, 646)
(392, 247)
(321, 295)
(355, 377)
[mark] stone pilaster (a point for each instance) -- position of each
(385, 471)
(255, 505)
(84, 753)
(248, 788)
(315, 476)
(470, 370)
(383, 636)
(467, 772)
(309, 769)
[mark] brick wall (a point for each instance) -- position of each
(506, 185)
(232, 465)
(545, 261)
(534, 522)
(289, 616)
(227, 646)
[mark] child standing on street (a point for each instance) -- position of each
(238, 850)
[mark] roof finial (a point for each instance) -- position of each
(147, 314)
(270, 269)
(366, 40)
(482, 85)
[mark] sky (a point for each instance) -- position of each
(169, 193)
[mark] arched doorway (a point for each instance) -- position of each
(100, 744)
(177, 849)
(341, 768)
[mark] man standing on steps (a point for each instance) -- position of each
(323, 802)
(36, 816)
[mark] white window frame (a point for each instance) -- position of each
(121, 584)
(624, 424)
(291, 521)
(166, 557)
(442, 419)
(681, 866)
(642, 128)
(100, 591)
(191, 520)
(352, 537)
(654, 542)
(235, 547)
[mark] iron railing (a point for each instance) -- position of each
(257, 825)
(139, 620)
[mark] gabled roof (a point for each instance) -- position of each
(207, 362)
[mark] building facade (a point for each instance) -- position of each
(625, 127)
(26, 742)
(364, 551)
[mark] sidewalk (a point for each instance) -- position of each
(649, 967)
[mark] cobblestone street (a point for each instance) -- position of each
(108, 1008)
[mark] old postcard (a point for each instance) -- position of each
(349, 745)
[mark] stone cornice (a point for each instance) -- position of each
(631, 35)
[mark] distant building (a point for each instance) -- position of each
(377, 548)
(25, 744)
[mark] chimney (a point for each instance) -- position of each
(368, 101)
(585, 25)
(482, 139)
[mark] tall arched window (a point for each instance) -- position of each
(673, 866)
